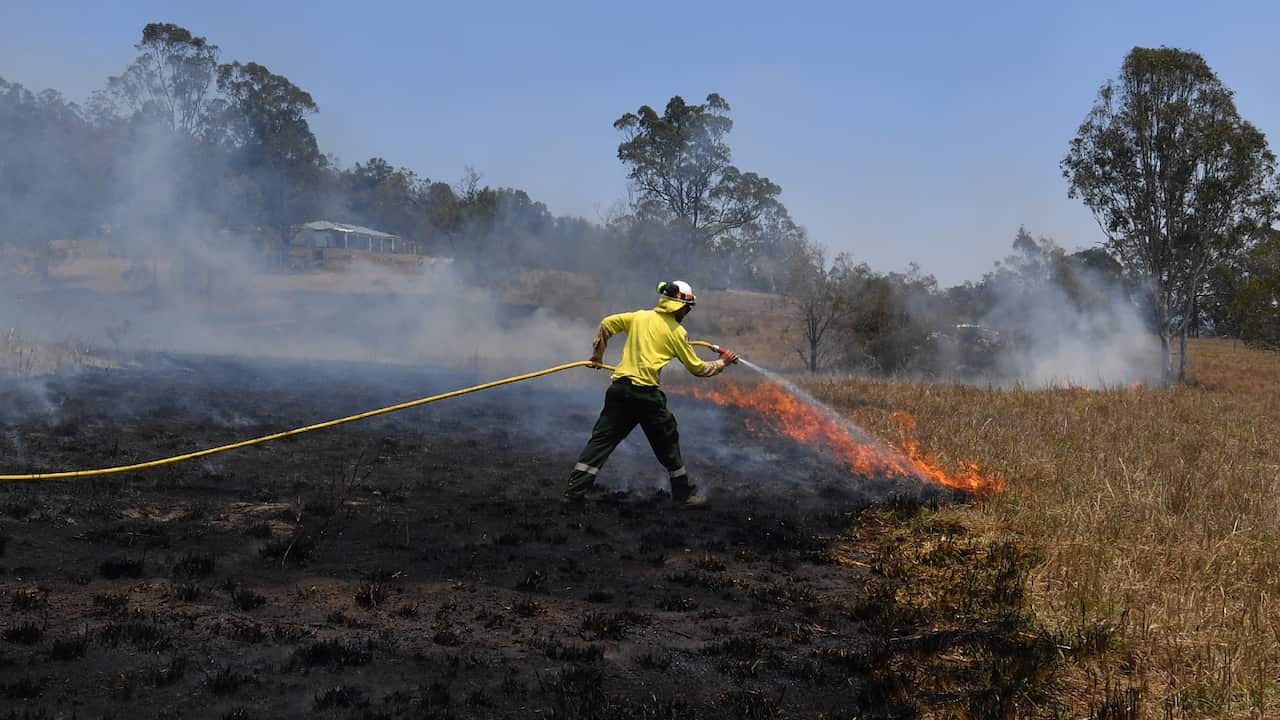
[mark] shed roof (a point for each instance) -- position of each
(326, 226)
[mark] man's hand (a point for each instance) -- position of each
(730, 357)
(595, 362)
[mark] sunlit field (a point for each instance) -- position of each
(1152, 515)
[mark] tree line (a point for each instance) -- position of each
(240, 153)
(1185, 191)
(1183, 188)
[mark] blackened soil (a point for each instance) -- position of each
(420, 564)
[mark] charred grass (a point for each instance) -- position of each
(139, 631)
(1155, 514)
(504, 607)
(71, 647)
(330, 653)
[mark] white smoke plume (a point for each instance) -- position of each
(1054, 341)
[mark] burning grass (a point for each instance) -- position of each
(1155, 512)
(778, 411)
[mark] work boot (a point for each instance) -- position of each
(694, 502)
(686, 495)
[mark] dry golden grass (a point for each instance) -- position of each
(1156, 513)
(21, 356)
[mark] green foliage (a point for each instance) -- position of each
(170, 80)
(851, 317)
(230, 143)
(885, 328)
(1174, 176)
(690, 199)
(1256, 301)
(263, 124)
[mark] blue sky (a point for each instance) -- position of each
(898, 131)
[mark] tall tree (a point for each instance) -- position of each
(265, 123)
(680, 163)
(170, 80)
(1175, 178)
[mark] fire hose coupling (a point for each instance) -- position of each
(719, 350)
(726, 351)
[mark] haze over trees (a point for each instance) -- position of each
(1178, 181)
(1183, 187)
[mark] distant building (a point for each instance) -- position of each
(323, 235)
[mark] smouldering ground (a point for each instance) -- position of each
(419, 565)
(1153, 515)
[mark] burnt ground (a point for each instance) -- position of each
(419, 565)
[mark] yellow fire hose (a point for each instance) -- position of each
(318, 426)
(297, 431)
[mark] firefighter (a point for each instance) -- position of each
(654, 337)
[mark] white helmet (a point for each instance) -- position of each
(679, 290)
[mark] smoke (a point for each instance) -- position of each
(1079, 331)
(1056, 342)
(125, 261)
(1042, 317)
(161, 277)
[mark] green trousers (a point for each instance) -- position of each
(625, 406)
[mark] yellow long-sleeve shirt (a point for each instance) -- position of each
(653, 339)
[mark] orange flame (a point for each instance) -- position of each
(777, 412)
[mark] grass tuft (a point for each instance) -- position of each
(245, 599)
(342, 696)
(194, 566)
(26, 633)
(187, 592)
(27, 599)
(329, 653)
(138, 631)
